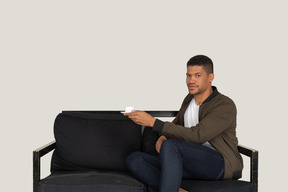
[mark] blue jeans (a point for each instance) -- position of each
(177, 160)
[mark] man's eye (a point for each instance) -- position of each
(198, 75)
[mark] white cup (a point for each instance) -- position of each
(129, 109)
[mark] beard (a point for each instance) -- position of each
(195, 90)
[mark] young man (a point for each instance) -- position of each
(201, 141)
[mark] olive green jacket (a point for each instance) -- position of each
(217, 124)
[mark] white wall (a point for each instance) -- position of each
(94, 55)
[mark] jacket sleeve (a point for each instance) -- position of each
(213, 123)
(158, 125)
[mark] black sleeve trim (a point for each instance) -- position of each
(158, 125)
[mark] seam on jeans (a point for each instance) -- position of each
(205, 152)
(220, 174)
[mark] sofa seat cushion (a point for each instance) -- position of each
(91, 181)
(218, 186)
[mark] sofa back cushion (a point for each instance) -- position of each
(149, 139)
(86, 141)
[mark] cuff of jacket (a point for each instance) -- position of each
(158, 125)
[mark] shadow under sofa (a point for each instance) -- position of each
(90, 152)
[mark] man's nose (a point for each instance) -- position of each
(192, 79)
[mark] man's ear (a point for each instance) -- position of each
(211, 77)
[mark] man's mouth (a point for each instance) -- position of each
(192, 86)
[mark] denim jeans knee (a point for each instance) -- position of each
(170, 145)
(145, 167)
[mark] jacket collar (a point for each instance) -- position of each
(213, 94)
(188, 99)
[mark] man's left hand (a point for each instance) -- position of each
(141, 118)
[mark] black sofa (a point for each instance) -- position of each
(90, 152)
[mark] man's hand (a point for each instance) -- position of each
(141, 118)
(159, 142)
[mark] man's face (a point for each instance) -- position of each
(197, 80)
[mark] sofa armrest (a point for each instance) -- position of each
(37, 154)
(253, 154)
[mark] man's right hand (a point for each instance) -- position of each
(159, 142)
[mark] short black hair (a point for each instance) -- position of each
(202, 60)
